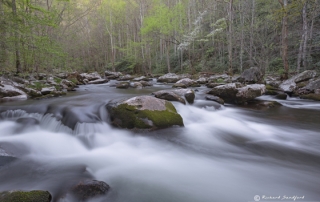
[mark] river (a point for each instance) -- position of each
(224, 153)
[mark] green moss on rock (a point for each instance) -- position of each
(22, 196)
(315, 97)
(129, 116)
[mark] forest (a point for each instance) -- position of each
(159, 36)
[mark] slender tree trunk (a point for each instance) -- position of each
(230, 37)
(305, 33)
(251, 33)
(284, 5)
(16, 36)
(168, 57)
(242, 35)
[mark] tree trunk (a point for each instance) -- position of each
(284, 5)
(305, 33)
(168, 57)
(251, 33)
(16, 36)
(230, 38)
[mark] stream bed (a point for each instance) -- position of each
(224, 153)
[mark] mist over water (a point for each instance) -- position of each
(224, 153)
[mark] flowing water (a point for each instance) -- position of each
(224, 153)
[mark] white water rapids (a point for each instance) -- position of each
(226, 154)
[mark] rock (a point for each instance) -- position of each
(145, 83)
(313, 85)
(98, 81)
(74, 78)
(25, 196)
(52, 80)
(169, 78)
(186, 81)
(179, 85)
(212, 85)
(42, 76)
(143, 112)
(235, 93)
(215, 99)
(317, 91)
(187, 93)
(176, 95)
(5, 157)
(290, 85)
(10, 92)
(169, 95)
(62, 75)
(252, 75)
(281, 96)
(312, 96)
(273, 81)
(48, 90)
(202, 80)
(88, 189)
(141, 78)
(223, 78)
(90, 77)
(249, 92)
(112, 75)
(69, 85)
(123, 85)
(125, 78)
(28, 121)
(136, 85)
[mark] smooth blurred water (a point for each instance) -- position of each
(224, 153)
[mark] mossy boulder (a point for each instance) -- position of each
(252, 75)
(143, 112)
(315, 97)
(25, 196)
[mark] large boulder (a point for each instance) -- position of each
(252, 75)
(313, 85)
(126, 77)
(169, 78)
(68, 85)
(238, 94)
(143, 112)
(187, 82)
(112, 75)
(88, 189)
(290, 85)
(25, 196)
(176, 95)
(202, 80)
(11, 92)
(90, 77)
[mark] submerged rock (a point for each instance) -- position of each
(143, 112)
(25, 196)
(87, 189)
